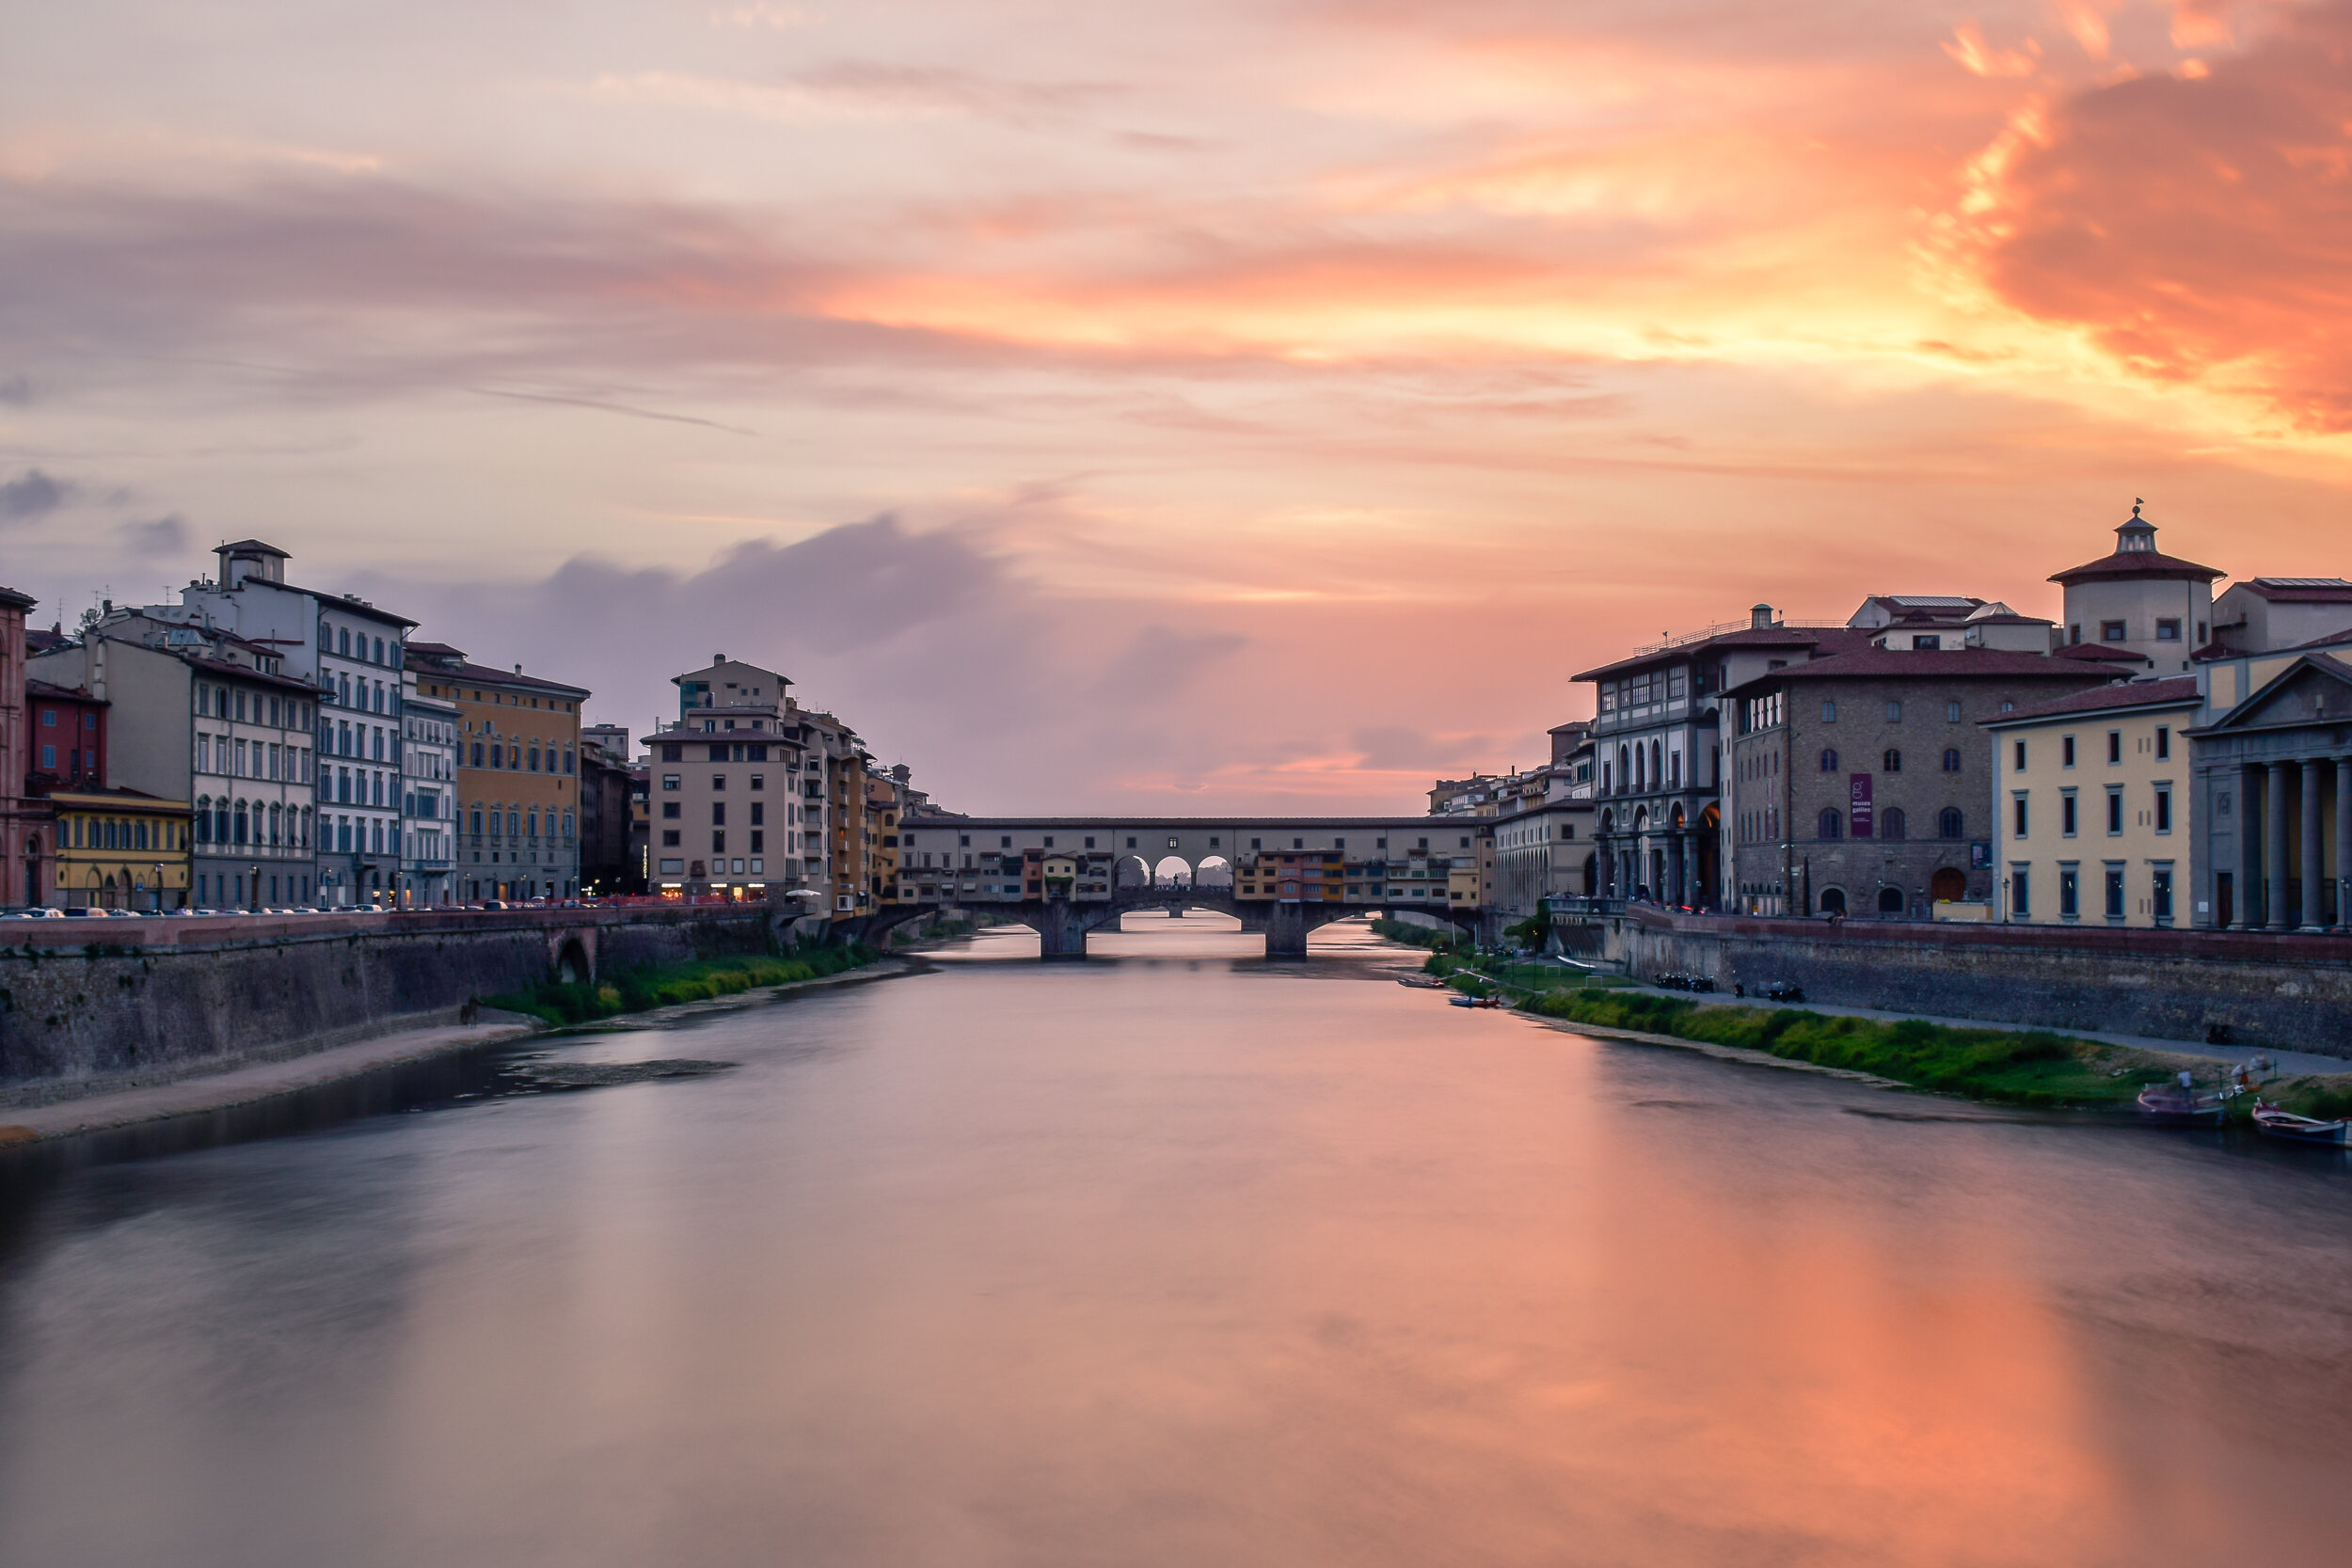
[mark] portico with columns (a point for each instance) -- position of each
(2274, 787)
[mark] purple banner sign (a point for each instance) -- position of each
(1858, 814)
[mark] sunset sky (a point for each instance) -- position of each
(1183, 407)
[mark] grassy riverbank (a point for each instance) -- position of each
(2028, 1067)
(636, 991)
(1442, 938)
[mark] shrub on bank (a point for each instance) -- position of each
(636, 991)
(2021, 1067)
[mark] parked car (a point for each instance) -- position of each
(1782, 990)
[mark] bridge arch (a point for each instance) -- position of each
(1215, 871)
(1172, 871)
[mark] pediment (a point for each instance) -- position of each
(2315, 689)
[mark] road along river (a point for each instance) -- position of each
(1178, 1258)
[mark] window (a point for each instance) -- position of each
(2110, 631)
(1828, 713)
(2168, 632)
(1891, 761)
(2020, 891)
(2019, 752)
(2115, 745)
(669, 838)
(1891, 823)
(1949, 823)
(2115, 892)
(2069, 892)
(717, 843)
(2164, 741)
(2163, 808)
(1927, 641)
(2017, 814)
(2066, 813)
(1829, 760)
(671, 810)
(2160, 895)
(2115, 810)
(1952, 713)
(1831, 826)
(2066, 750)
(1893, 713)
(1952, 759)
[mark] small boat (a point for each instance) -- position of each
(1420, 982)
(1460, 1001)
(2303, 1129)
(2180, 1104)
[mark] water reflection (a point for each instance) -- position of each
(1175, 1258)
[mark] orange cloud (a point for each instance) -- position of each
(2201, 224)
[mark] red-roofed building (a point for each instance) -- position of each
(1858, 783)
(2141, 599)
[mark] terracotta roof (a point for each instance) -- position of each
(1926, 664)
(2129, 694)
(2299, 589)
(54, 692)
(2101, 653)
(252, 546)
(1746, 636)
(2137, 564)
(2332, 639)
(486, 675)
(17, 600)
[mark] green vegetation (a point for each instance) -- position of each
(634, 990)
(1529, 933)
(2324, 1097)
(2016, 1067)
(1416, 936)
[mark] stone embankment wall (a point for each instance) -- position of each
(92, 1004)
(2291, 992)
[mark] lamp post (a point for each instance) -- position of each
(158, 869)
(255, 871)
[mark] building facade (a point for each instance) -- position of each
(26, 828)
(352, 652)
(428, 796)
(516, 761)
(1858, 783)
(119, 848)
(2092, 807)
(2274, 794)
(726, 782)
(196, 714)
(605, 782)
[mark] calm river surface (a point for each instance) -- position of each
(1175, 1258)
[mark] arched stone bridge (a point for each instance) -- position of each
(1346, 866)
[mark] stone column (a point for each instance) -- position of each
(1286, 931)
(2312, 885)
(2275, 847)
(2343, 844)
(1061, 934)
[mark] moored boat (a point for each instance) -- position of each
(2286, 1124)
(2180, 1104)
(1476, 1001)
(1421, 982)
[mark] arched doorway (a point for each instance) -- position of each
(1833, 900)
(1890, 900)
(1947, 886)
(1710, 865)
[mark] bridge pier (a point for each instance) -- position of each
(1286, 931)
(1061, 930)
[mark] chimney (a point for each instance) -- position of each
(718, 659)
(518, 668)
(1760, 618)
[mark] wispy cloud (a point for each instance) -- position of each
(32, 496)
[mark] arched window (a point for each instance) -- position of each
(1833, 900)
(532, 825)
(1657, 766)
(1890, 900)
(1891, 823)
(220, 820)
(1952, 759)
(276, 823)
(1832, 825)
(203, 819)
(1829, 759)
(1892, 762)
(1949, 823)
(514, 823)
(240, 823)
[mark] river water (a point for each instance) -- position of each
(1175, 1258)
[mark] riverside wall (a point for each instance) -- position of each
(91, 1005)
(2288, 991)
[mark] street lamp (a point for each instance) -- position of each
(158, 870)
(256, 899)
